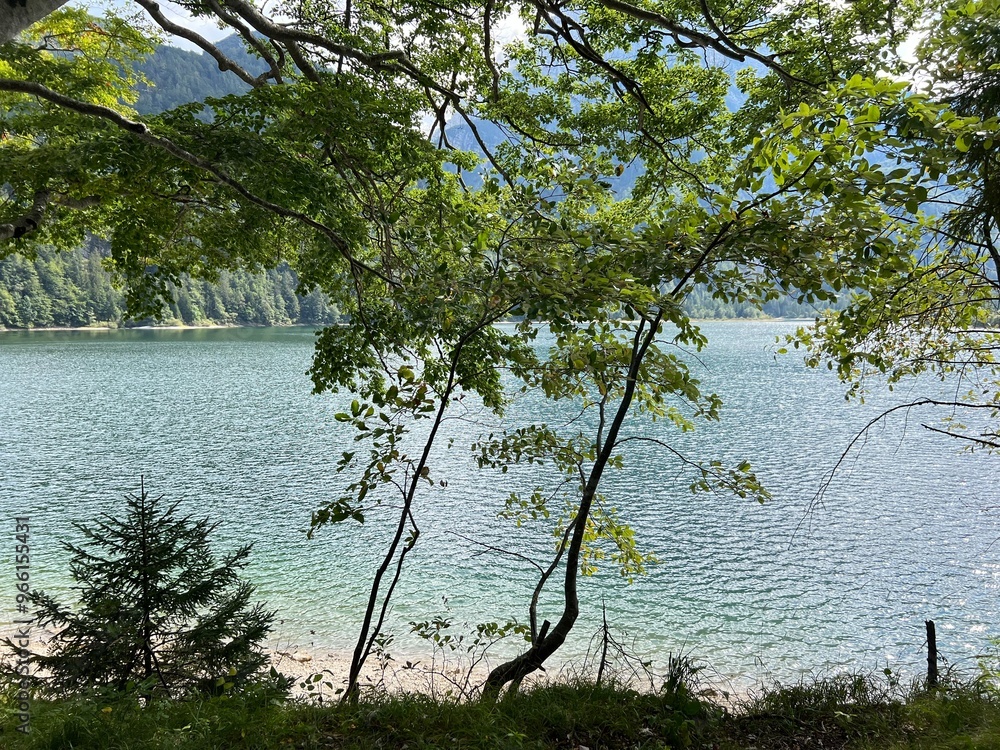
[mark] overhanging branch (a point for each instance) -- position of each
(393, 61)
(993, 444)
(251, 39)
(721, 44)
(32, 220)
(29, 222)
(862, 434)
(225, 63)
(141, 131)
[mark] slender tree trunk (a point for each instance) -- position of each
(368, 634)
(549, 641)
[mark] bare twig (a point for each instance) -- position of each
(958, 436)
(492, 548)
(863, 432)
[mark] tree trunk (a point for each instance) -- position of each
(18, 15)
(547, 643)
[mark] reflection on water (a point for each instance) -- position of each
(224, 421)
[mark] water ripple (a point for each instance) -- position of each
(224, 422)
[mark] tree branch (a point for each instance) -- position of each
(250, 39)
(395, 61)
(29, 222)
(548, 642)
(567, 25)
(482, 144)
(970, 438)
(225, 63)
(863, 433)
(32, 220)
(488, 49)
(700, 39)
(492, 548)
(141, 131)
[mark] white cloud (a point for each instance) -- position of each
(509, 28)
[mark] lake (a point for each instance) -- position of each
(224, 421)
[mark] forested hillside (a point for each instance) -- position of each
(700, 304)
(74, 289)
(69, 289)
(180, 76)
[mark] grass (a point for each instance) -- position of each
(857, 711)
(866, 712)
(559, 716)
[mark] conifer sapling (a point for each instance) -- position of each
(158, 613)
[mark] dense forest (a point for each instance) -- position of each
(70, 289)
(178, 76)
(74, 289)
(701, 304)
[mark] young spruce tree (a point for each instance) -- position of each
(158, 613)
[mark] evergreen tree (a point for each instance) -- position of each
(159, 614)
(72, 288)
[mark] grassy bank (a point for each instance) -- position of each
(846, 712)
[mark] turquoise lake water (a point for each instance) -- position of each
(224, 421)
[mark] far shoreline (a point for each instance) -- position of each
(215, 326)
(112, 328)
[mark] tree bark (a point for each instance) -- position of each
(17, 15)
(30, 221)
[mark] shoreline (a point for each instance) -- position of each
(326, 669)
(207, 326)
(319, 672)
(110, 328)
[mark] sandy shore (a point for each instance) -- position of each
(322, 673)
(412, 674)
(319, 671)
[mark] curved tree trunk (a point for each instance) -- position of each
(17, 15)
(546, 643)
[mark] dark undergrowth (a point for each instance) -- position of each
(843, 712)
(861, 711)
